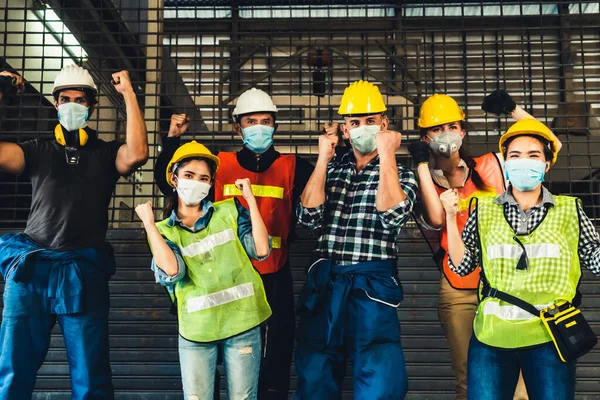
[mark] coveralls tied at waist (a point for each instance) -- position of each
(19, 256)
(378, 280)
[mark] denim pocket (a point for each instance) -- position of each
(386, 290)
(18, 299)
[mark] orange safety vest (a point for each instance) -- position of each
(273, 191)
(490, 170)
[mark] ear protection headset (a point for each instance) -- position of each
(81, 137)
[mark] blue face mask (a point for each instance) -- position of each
(363, 138)
(525, 174)
(258, 138)
(73, 116)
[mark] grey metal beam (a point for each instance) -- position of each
(178, 95)
(291, 41)
(366, 69)
(404, 66)
(448, 24)
(111, 46)
(264, 76)
(243, 60)
(104, 34)
(275, 26)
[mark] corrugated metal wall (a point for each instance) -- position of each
(196, 56)
(143, 334)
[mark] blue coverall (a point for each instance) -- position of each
(349, 311)
(43, 287)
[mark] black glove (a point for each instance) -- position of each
(7, 86)
(498, 102)
(419, 151)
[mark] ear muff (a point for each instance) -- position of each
(60, 136)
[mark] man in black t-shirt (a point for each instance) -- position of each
(58, 269)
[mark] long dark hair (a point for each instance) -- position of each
(172, 200)
(470, 161)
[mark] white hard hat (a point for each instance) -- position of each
(73, 76)
(253, 101)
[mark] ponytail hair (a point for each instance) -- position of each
(477, 180)
(170, 204)
(471, 164)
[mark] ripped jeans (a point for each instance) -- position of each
(241, 357)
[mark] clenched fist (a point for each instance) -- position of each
(332, 131)
(246, 188)
(326, 148)
(179, 125)
(388, 141)
(16, 81)
(122, 82)
(145, 212)
(449, 200)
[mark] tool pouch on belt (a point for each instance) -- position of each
(570, 332)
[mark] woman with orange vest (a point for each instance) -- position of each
(442, 131)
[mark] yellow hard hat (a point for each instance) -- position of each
(530, 127)
(361, 97)
(191, 149)
(439, 109)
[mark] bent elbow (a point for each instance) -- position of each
(170, 270)
(142, 157)
(262, 253)
(437, 223)
(137, 160)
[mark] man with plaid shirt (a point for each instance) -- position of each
(347, 307)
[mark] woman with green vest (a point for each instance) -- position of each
(202, 255)
(528, 247)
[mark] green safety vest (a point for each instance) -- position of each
(221, 294)
(552, 275)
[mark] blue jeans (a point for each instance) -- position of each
(241, 357)
(27, 320)
(493, 372)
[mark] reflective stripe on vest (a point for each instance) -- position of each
(258, 191)
(514, 251)
(552, 275)
(276, 242)
(489, 169)
(218, 298)
(509, 312)
(221, 295)
(208, 243)
(273, 191)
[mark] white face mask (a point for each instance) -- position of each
(192, 192)
(73, 116)
(363, 138)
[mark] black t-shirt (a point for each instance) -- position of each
(69, 205)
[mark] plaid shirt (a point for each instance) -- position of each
(523, 223)
(352, 229)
